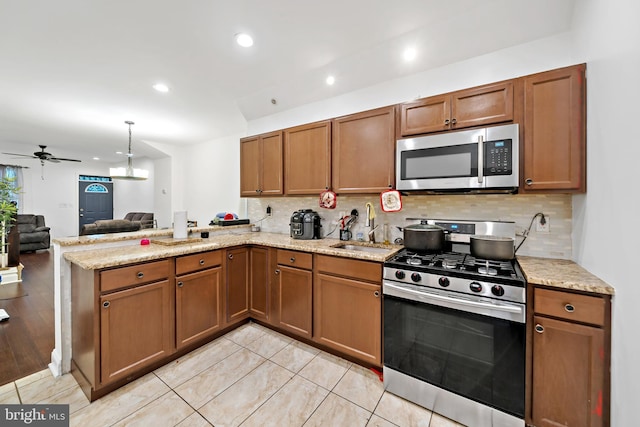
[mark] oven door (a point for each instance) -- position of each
(473, 159)
(470, 347)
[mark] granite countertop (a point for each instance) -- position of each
(562, 273)
(131, 254)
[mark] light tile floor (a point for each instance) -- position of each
(251, 376)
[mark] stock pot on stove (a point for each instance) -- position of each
(423, 237)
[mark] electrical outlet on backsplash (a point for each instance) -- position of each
(518, 208)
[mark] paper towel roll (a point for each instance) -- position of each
(180, 225)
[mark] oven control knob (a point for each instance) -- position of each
(444, 282)
(399, 274)
(475, 287)
(416, 277)
(497, 290)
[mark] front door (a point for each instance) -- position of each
(95, 199)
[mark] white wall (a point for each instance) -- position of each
(606, 237)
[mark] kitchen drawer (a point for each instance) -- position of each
(196, 262)
(133, 275)
(570, 306)
(337, 266)
(295, 259)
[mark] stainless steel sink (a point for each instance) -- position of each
(361, 248)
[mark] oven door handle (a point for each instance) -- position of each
(480, 159)
(437, 299)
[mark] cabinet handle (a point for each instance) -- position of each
(230, 256)
(446, 122)
(376, 294)
(140, 274)
(292, 259)
(569, 308)
(106, 304)
(180, 284)
(201, 262)
(528, 181)
(454, 121)
(277, 271)
(257, 191)
(539, 328)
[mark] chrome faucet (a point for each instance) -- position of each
(371, 214)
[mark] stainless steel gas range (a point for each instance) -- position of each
(454, 329)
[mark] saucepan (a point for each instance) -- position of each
(423, 237)
(493, 247)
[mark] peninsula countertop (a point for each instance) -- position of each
(131, 254)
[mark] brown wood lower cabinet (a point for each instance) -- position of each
(260, 284)
(237, 280)
(135, 329)
(294, 292)
(198, 305)
(570, 359)
(347, 307)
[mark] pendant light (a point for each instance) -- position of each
(129, 172)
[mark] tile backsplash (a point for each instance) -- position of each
(518, 208)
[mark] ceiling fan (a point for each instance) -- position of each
(43, 155)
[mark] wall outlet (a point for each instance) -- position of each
(543, 228)
(269, 211)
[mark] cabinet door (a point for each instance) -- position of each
(568, 374)
(426, 115)
(259, 297)
(135, 329)
(198, 311)
(250, 166)
(295, 287)
(347, 317)
(237, 279)
(272, 182)
(307, 158)
(482, 105)
(554, 131)
(363, 151)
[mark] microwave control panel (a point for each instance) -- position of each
(498, 157)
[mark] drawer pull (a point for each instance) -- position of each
(277, 271)
(539, 328)
(230, 256)
(201, 262)
(376, 294)
(106, 304)
(180, 284)
(292, 259)
(569, 308)
(140, 274)
(528, 181)
(446, 122)
(454, 121)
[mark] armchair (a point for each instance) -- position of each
(34, 234)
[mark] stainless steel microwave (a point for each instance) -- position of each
(471, 160)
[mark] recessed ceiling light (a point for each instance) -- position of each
(96, 158)
(161, 87)
(410, 54)
(331, 80)
(118, 152)
(244, 40)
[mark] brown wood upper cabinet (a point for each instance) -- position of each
(261, 165)
(307, 158)
(555, 131)
(363, 151)
(477, 106)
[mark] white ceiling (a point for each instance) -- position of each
(72, 71)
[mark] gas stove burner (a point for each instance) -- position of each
(488, 270)
(449, 263)
(414, 261)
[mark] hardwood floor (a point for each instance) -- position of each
(27, 338)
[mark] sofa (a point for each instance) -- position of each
(34, 234)
(133, 221)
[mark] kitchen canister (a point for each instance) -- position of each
(180, 225)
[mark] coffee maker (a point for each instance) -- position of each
(305, 224)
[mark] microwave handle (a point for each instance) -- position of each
(480, 158)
